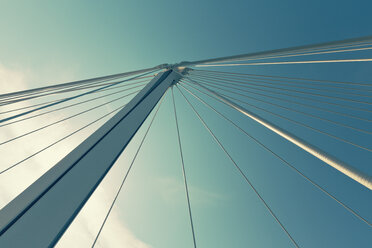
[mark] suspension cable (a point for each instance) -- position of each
(239, 169)
(271, 151)
(255, 80)
(279, 51)
(307, 114)
(183, 171)
(290, 62)
(68, 106)
(68, 99)
(127, 173)
(297, 79)
(341, 166)
(285, 94)
(299, 123)
(302, 104)
(56, 142)
(43, 103)
(314, 52)
(67, 118)
(247, 85)
(31, 96)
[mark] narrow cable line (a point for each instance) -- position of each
(68, 106)
(272, 152)
(239, 169)
(310, 115)
(56, 142)
(68, 99)
(332, 49)
(300, 124)
(127, 173)
(32, 95)
(70, 85)
(290, 62)
(75, 83)
(299, 103)
(248, 85)
(110, 83)
(97, 92)
(230, 89)
(67, 118)
(247, 81)
(281, 77)
(72, 90)
(87, 87)
(282, 80)
(20, 96)
(274, 52)
(348, 170)
(351, 45)
(285, 94)
(304, 54)
(30, 106)
(183, 170)
(102, 84)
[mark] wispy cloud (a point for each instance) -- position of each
(173, 192)
(82, 231)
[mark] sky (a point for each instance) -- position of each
(48, 42)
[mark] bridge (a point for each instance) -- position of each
(327, 121)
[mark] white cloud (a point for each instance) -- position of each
(173, 192)
(83, 230)
(11, 80)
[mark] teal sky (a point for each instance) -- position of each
(49, 42)
(99, 38)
